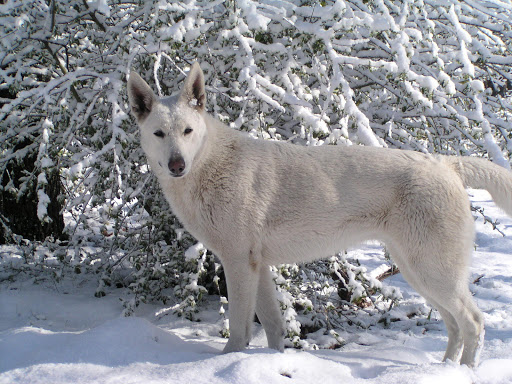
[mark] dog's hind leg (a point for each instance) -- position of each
(472, 325)
(443, 282)
(242, 280)
(455, 340)
(458, 305)
(268, 310)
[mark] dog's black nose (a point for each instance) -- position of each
(176, 166)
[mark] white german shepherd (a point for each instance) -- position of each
(256, 203)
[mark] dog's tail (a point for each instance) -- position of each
(482, 174)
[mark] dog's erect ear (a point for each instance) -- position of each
(142, 99)
(194, 93)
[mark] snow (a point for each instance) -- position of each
(194, 252)
(42, 198)
(255, 20)
(103, 7)
(462, 34)
(60, 333)
(46, 162)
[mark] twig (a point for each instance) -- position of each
(74, 92)
(477, 280)
(94, 18)
(390, 272)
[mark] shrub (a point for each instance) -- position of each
(428, 76)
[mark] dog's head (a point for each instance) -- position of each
(172, 129)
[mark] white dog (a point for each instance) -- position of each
(256, 203)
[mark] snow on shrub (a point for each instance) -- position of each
(428, 76)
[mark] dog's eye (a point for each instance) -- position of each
(187, 131)
(159, 133)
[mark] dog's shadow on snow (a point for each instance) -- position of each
(118, 342)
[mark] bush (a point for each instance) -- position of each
(427, 76)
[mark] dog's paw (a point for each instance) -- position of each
(278, 345)
(233, 346)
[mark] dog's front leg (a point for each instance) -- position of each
(269, 311)
(242, 280)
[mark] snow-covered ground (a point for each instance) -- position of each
(63, 334)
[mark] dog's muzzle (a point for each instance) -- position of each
(176, 166)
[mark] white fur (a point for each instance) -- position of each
(257, 203)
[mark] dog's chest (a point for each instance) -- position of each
(196, 207)
(183, 203)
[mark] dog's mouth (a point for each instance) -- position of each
(177, 175)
